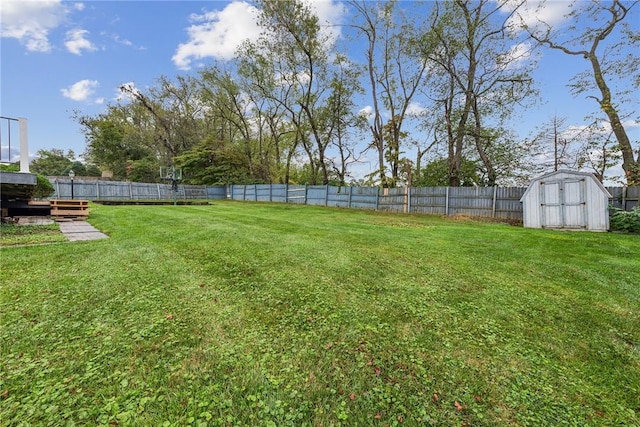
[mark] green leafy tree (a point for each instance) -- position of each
(436, 174)
(53, 162)
(116, 138)
(213, 162)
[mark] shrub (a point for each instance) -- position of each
(44, 188)
(628, 221)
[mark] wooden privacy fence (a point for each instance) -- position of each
(118, 190)
(491, 202)
(487, 202)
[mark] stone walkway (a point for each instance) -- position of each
(80, 230)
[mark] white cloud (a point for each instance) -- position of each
(330, 14)
(76, 41)
(31, 21)
(517, 56)
(414, 109)
(80, 91)
(535, 14)
(366, 112)
(217, 34)
(116, 38)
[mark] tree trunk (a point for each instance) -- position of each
(630, 165)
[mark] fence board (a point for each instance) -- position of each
(339, 197)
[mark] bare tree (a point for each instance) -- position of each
(601, 19)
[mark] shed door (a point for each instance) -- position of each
(563, 203)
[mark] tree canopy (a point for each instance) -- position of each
(443, 88)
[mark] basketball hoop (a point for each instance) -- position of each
(170, 173)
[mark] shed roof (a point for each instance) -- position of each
(569, 172)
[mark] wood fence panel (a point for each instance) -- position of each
(317, 195)
(279, 193)
(339, 197)
(471, 201)
(429, 200)
(393, 200)
(297, 194)
(364, 198)
(625, 198)
(216, 192)
(508, 205)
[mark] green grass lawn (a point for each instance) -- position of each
(274, 315)
(17, 235)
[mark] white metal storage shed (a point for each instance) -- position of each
(566, 200)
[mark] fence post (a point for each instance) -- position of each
(406, 203)
(493, 208)
(326, 195)
(130, 190)
(377, 198)
(446, 202)
(624, 198)
(349, 199)
(306, 187)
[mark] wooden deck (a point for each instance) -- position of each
(69, 208)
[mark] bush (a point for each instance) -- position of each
(628, 221)
(44, 188)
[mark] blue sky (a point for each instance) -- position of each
(59, 57)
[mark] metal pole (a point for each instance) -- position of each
(174, 187)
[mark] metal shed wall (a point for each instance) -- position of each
(566, 200)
